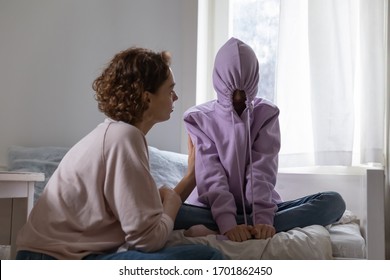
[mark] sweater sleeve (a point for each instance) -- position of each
(131, 192)
(265, 150)
(211, 180)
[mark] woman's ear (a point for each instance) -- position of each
(146, 96)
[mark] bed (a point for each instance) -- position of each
(362, 187)
(360, 233)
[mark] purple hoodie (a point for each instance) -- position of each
(236, 159)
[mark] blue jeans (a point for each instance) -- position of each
(318, 209)
(182, 252)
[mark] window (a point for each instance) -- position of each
(256, 22)
(323, 63)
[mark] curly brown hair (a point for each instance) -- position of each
(120, 87)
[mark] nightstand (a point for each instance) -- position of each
(16, 202)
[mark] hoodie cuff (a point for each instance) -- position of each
(264, 218)
(226, 222)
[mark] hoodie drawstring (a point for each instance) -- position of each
(239, 171)
(250, 163)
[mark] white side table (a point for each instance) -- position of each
(16, 202)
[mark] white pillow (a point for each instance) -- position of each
(167, 168)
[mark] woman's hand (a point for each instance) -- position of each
(167, 193)
(191, 159)
(170, 200)
(263, 231)
(239, 233)
(188, 183)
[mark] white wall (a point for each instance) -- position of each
(52, 50)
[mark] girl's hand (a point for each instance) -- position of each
(263, 231)
(239, 233)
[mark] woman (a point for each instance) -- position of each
(102, 196)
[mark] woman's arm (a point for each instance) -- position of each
(131, 193)
(171, 202)
(173, 198)
(188, 183)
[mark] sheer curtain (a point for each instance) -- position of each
(330, 81)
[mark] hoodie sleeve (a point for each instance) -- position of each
(265, 150)
(212, 183)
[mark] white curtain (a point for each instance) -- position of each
(330, 81)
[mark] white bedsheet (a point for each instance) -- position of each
(309, 243)
(342, 240)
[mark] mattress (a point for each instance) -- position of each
(347, 241)
(346, 238)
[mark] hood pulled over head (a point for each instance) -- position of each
(235, 68)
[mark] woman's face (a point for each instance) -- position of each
(161, 105)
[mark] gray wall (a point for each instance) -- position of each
(52, 50)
